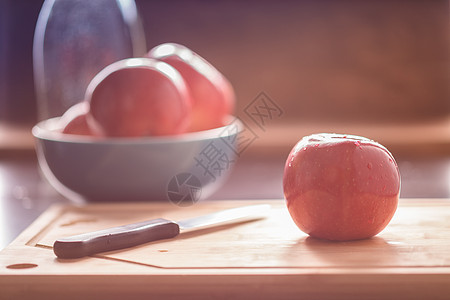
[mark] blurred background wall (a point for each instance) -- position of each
(319, 60)
(17, 97)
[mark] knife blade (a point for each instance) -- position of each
(131, 235)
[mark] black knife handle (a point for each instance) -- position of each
(115, 238)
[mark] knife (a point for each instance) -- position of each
(130, 235)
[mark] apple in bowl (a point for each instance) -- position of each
(138, 97)
(341, 187)
(212, 94)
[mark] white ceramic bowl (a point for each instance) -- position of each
(183, 168)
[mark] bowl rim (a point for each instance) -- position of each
(48, 130)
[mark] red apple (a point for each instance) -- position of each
(212, 94)
(341, 187)
(73, 121)
(138, 97)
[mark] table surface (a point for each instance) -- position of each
(24, 194)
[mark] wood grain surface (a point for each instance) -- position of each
(266, 258)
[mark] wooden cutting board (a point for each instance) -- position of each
(266, 258)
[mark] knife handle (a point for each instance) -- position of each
(115, 238)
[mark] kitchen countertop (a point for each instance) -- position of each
(257, 176)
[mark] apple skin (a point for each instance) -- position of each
(213, 97)
(341, 187)
(74, 121)
(138, 97)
